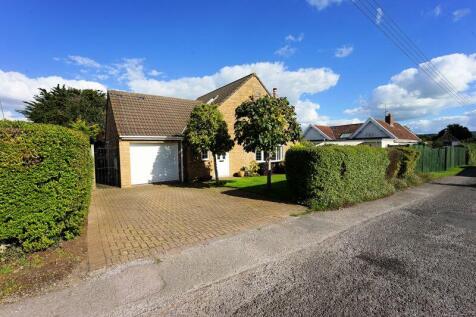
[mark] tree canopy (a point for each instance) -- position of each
(207, 131)
(458, 131)
(65, 106)
(264, 124)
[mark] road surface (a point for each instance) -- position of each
(418, 260)
(413, 253)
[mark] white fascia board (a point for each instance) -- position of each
(149, 138)
(382, 127)
(312, 126)
(372, 120)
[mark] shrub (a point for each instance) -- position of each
(45, 183)
(399, 183)
(408, 161)
(403, 162)
(414, 180)
(334, 176)
(395, 158)
(253, 169)
(471, 153)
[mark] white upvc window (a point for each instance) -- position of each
(204, 155)
(276, 156)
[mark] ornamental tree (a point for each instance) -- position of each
(207, 131)
(264, 124)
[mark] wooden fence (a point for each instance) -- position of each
(440, 159)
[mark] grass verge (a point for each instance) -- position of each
(23, 274)
(437, 175)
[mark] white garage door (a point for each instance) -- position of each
(151, 163)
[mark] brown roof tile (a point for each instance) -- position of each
(326, 130)
(349, 129)
(148, 115)
(399, 131)
(335, 132)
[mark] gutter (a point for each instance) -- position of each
(150, 138)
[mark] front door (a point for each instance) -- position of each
(223, 165)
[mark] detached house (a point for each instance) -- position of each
(144, 141)
(379, 133)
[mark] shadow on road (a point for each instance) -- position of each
(469, 171)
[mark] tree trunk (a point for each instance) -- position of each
(215, 165)
(268, 171)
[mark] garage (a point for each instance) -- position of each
(154, 162)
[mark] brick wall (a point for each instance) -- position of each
(124, 163)
(238, 156)
(194, 167)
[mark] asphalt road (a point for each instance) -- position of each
(416, 260)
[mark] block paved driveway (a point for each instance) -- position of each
(146, 221)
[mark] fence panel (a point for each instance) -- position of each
(440, 159)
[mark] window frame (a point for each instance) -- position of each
(207, 158)
(279, 150)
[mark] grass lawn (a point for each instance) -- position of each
(436, 175)
(257, 185)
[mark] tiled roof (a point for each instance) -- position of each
(219, 95)
(326, 130)
(399, 131)
(148, 115)
(348, 129)
(336, 132)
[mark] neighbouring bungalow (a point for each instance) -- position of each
(379, 133)
(144, 135)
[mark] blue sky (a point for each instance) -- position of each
(332, 63)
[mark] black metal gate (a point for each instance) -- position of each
(106, 164)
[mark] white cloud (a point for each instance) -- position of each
(154, 73)
(411, 94)
(16, 87)
(83, 61)
(460, 13)
(344, 51)
(322, 4)
(379, 16)
(308, 113)
(285, 51)
(357, 110)
(294, 38)
(437, 10)
(437, 124)
(293, 84)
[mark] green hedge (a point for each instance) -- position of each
(45, 183)
(403, 162)
(471, 153)
(334, 176)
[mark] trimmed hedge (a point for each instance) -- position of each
(403, 162)
(332, 176)
(471, 147)
(45, 183)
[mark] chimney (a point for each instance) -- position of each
(389, 119)
(274, 92)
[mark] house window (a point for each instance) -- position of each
(204, 155)
(276, 156)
